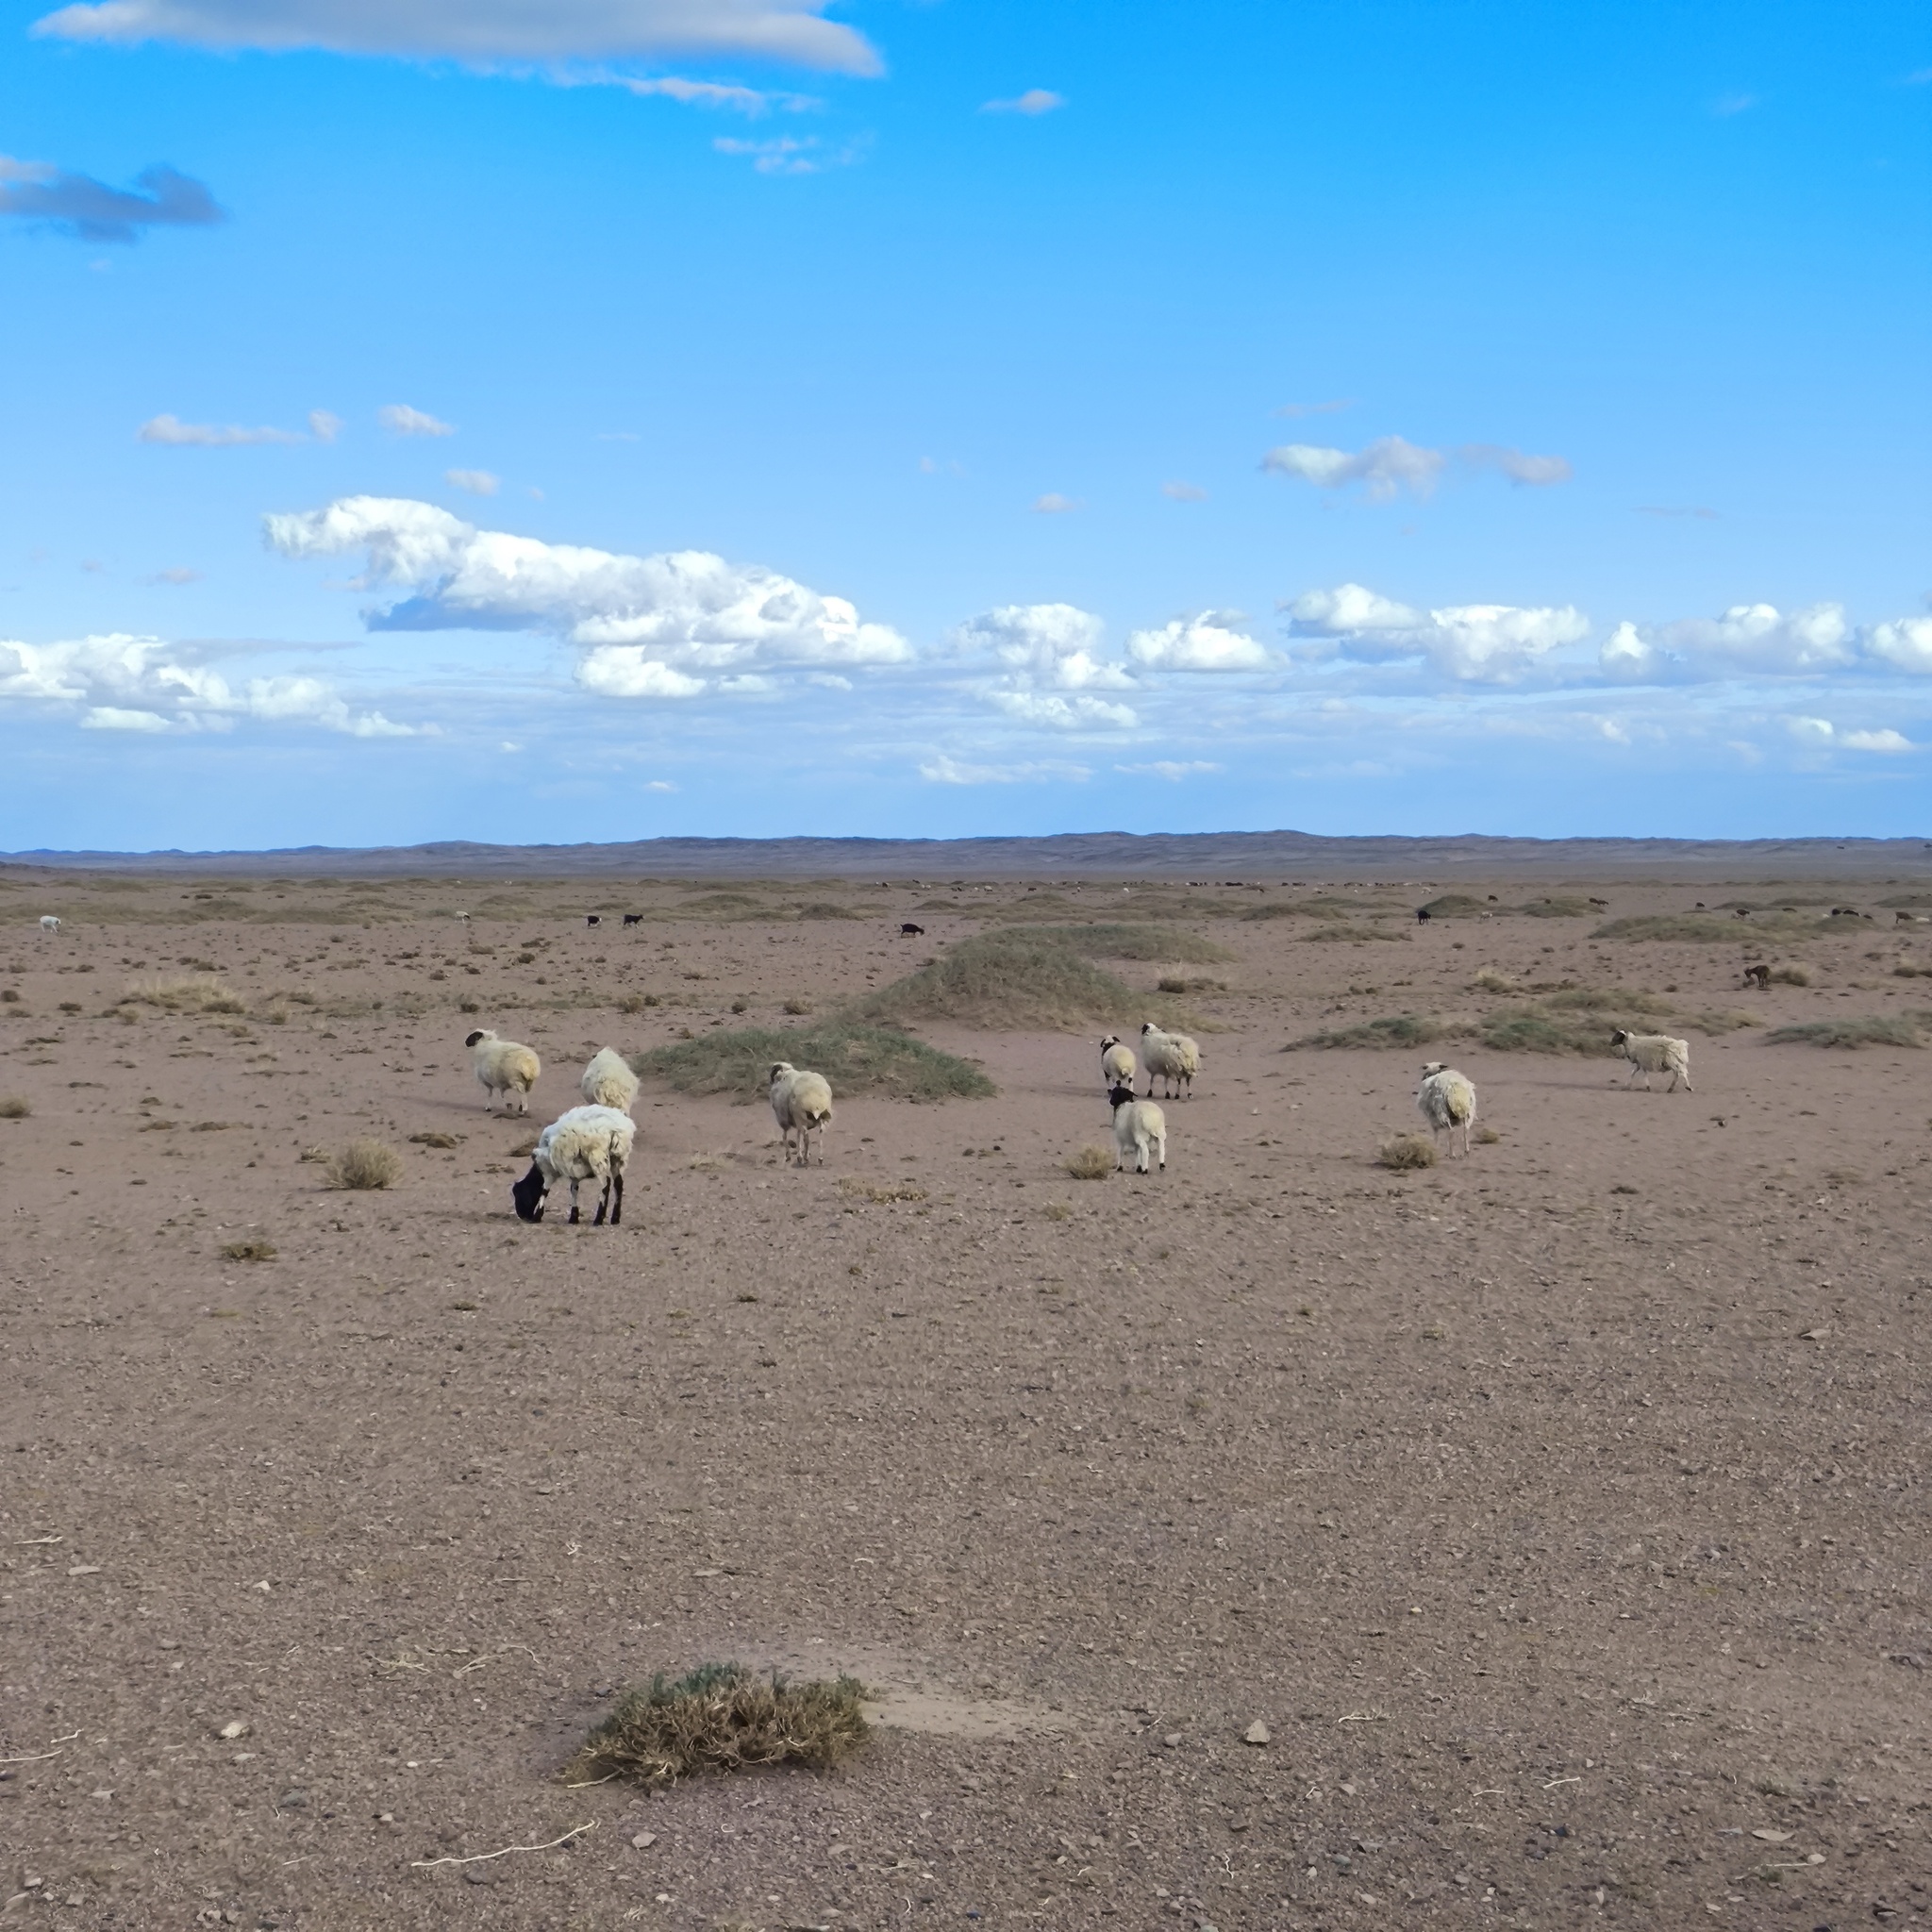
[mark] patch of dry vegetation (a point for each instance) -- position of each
(1872, 1029)
(184, 992)
(1570, 1020)
(721, 1716)
(365, 1165)
(14, 1109)
(1701, 928)
(1406, 1152)
(1090, 1163)
(1025, 982)
(1107, 941)
(854, 1058)
(248, 1251)
(856, 1187)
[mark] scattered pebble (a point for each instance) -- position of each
(643, 1841)
(1256, 1733)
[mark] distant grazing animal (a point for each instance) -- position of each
(463, 917)
(633, 919)
(1655, 1053)
(1446, 1100)
(588, 1144)
(1423, 915)
(802, 1103)
(593, 919)
(1758, 976)
(1117, 1064)
(1905, 918)
(910, 931)
(503, 1067)
(1601, 905)
(49, 923)
(609, 1081)
(1173, 1056)
(1139, 1126)
(1743, 912)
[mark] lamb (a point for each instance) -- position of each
(1118, 1067)
(503, 1067)
(593, 919)
(802, 1103)
(1446, 1100)
(1137, 1124)
(1655, 1053)
(609, 1081)
(1759, 976)
(588, 1144)
(911, 931)
(1173, 1056)
(49, 923)
(633, 919)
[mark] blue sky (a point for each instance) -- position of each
(434, 420)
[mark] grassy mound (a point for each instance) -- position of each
(1133, 942)
(1874, 1029)
(1701, 928)
(1554, 909)
(1018, 981)
(855, 1058)
(825, 909)
(1578, 1019)
(1398, 1029)
(721, 1716)
(1458, 905)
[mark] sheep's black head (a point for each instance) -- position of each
(1119, 1096)
(473, 1038)
(528, 1195)
(1111, 1039)
(1619, 1037)
(1148, 1026)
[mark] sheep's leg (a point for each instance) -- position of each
(572, 1200)
(603, 1202)
(1162, 1144)
(617, 1210)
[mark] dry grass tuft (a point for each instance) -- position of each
(857, 1188)
(1486, 1137)
(249, 1251)
(1150, 943)
(1090, 1163)
(1874, 1029)
(1490, 980)
(365, 1165)
(1398, 1029)
(15, 1108)
(721, 1716)
(1791, 974)
(1404, 1151)
(436, 1140)
(796, 1009)
(184, 992)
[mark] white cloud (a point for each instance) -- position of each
(178, 574)
(1053, 505)
(485, 32)
(789, 154)
(1470, 642)
(324, 426)
(1536, 473)
(399, 419)
(477, 482)
(1035, 100)
(752, 102)
(660, 785)
(1080, 713)
(173, 432)
(942, 770)
(131, 682)
(1174, 771)
(1053, 645)
(1749, 638)
(649, 626)
(1178, 492)
(1885, 741)
(1905, 643)
(1384, 467)
(1210, 641)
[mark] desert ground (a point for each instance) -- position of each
(1282, 1541)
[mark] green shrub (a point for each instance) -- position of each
(854, 1058)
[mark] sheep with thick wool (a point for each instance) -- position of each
(1446, 1100)
(503, 1066)
(1118, 1067)
(1654, 1053)
(802, 1103)
(609, 1081)
(1138, 1127)
(588, 1144)
(1173, 1056)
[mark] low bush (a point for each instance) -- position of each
(1016, 980)
(1398, 1029)
(365, 1165)
(1874, 1029)
(1405, 1152)
(14, 1109)
(854, 1058)
(1090, 1163)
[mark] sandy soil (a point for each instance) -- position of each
(1561, 1512)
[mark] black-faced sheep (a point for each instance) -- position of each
(588, 1144)
(1118, 1067)
(1655, 1053)
(1139, 1126)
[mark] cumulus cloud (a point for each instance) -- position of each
(1491, 644)
(1173, 770)
(1748, 638)
(1079, 714)
(1046, 650)
(1384, 468)
(399, 419)
(1177, 491)
(1053, 505)
(324, 426)
(1534, 473)
(142, 684)
(485, 32)
(752, 102)
(173, 433)
(649, 626)
(1905, 644)
(1885, 741)
(1035, 100)
(477, 482)
(80, 206)
(789, 154)
(944, 769)
(1210, 642)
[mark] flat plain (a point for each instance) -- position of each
(1537, 1539)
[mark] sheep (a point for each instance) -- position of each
(503, 1067)
(588, 1144)
(1759, 976)
(1654, 1053)
(609, 1081)
(1446, 1100)
(1423, 915)
(462, 919)
(593, 919)
(1118, 1067)
(49, 923)
(633, 919)
(910, 932)
(1137, 1124)
(1173, 1056)
(802, 1103)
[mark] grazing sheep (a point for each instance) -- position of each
(1173, 1056)
(1601, 905)
(633, 919)
(49, 923)
(1759, 976)
(1137, 1124)
(1423, 915)
(910, 931)
(1655, 1053)
(1743, 912)
(1118, 1067)
(462, 919)
(503, 1067)
(588, 1144)
(1446, 1100)
(609, 1081)
(593, 919)
(802, 1103)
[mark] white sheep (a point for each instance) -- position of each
(503, 1067)
(1654, 1053)
(1446, 1100)
(1173, 1056)
(1118, 1067)
(1137, 1124)
(588, 1144)
(802, 1103)
(609, 1081)
(49, 923)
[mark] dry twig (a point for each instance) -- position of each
(481, 1857)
